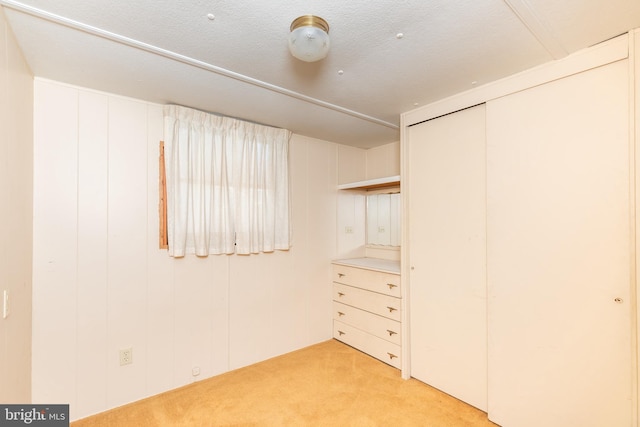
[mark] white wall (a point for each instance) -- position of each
(352, 164)
(101, 283)
(383, 161)
(16, 166)
(357, 164)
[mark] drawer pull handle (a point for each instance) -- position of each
(391, 286)
(340, 333)
(391, 333)
(340, 294)
(392, 356)
(341, 274)
(340, 314)
(391, 309)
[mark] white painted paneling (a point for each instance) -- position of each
(16, 214)
(5, 120)
(251, 302)
(635, 123)
(355, 165)
(270, 293)
(93, 134)
(351, 164)
(321, 238)
(193, 299)
(5, 368)
(295, 291)
(302, 223)
(313, 172)
(559, 252)
(161, 311)
(351, 226)
(350, 212)
(218, 332)
(288, 302)
(97, 187)
(372, 218)
(265, 304)
(383, 161)
(127, 248)
(55, 244)
(19, 95)
(447, 229)
(351, 205)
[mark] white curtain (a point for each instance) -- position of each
(227, 184)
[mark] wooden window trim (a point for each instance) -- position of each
(164, 237)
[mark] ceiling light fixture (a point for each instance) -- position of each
(309, 38)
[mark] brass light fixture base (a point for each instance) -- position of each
(310, 20)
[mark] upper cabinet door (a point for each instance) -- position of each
(447, 252)
(558, 250)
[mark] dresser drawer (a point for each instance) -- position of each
(377, 281)
(379, 326)
(373, 302)
(372, 345)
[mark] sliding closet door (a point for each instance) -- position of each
(447, 251)
(559, 239)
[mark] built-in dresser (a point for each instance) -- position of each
(366, 307)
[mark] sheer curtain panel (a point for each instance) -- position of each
(227, 184)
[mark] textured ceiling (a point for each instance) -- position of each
(238, 64)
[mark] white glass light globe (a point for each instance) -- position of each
(309, 43)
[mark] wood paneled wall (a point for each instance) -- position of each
(101, 283)
(16, 167)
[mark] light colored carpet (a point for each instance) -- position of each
(327, 384)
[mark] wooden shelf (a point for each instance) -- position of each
(370, 184)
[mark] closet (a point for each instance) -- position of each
(559, 270)
(448, 255)
(520, 244)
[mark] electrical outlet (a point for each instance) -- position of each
(126, 356)
(195, 371)
(348, 229)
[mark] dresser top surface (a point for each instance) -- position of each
(385, 265)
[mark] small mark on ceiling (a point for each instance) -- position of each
(211, 16)
(340, 72)
(399, 36)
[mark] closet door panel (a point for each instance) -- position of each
(447, 244)
(558, 227)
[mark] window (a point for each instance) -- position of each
(226, 185)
